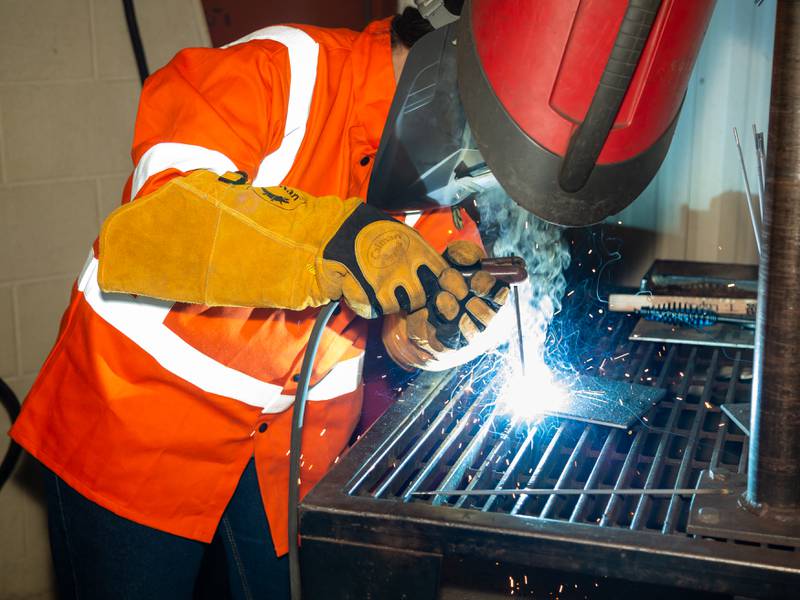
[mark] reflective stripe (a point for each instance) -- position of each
(411, 218)
(141, 320)
(303, 58)
(184, 157)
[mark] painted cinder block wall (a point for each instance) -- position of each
(68, 95)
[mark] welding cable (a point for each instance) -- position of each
(12, 406)
(300, 398)
(136, 39)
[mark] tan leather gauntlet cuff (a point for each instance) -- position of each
(201, 240)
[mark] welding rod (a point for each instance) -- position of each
(762, 169)
(748, 195)
(520, 339)
(574, 492)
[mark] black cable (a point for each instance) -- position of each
(136, 39)
(296, 443)
(12, 406)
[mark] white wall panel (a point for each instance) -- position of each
(695, 207)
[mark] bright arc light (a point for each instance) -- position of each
(533, 394)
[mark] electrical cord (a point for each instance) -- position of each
(136, 39)
(300, 398)
(12, 406)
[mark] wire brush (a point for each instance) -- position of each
(689, 316)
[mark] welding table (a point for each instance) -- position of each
(364, 535)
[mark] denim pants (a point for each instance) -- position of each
(101, 556)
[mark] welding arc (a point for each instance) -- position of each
(574, 492)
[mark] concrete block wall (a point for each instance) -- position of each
(68, 95)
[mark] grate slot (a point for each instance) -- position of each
(569, 473)
(681, 479)
(428, 440)
(656, 467)
(447, 448)
(484, 473)
(633, 455)
(456, 473)
(544, 464)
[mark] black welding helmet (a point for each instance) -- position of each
(427, 157)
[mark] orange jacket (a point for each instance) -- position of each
(152, 409)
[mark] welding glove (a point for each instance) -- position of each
(461, 322)
(218, 241)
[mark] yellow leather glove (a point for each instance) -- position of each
(464, 320)
(217, 241)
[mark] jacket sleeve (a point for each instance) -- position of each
(217, 109)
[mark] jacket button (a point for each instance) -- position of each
(365, 161)
(262, 428)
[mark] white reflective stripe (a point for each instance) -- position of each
(141, 320)
(303, 58)
(411, 218)
(341, 379)
(184, 157)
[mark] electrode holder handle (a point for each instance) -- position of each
(510, 269)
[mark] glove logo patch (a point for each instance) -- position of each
(387, 249)
(289, 200)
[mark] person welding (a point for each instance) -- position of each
(163, 412)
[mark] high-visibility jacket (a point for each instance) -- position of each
(152, 409)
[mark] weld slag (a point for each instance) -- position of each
(510, 230)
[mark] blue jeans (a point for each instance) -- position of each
(101, 556)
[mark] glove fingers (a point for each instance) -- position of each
(467, 327)
(463, 253)
(422, 333)
(401, 349)
(481, 312)
(447, 306)
(451, 280)
(486, 286)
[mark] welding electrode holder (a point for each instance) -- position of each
(510, 269)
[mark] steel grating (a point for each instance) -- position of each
(444, 433)
(457, 441)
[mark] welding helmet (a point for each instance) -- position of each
(572, 110)
(427, 157)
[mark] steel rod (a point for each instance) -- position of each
(569, 471)
(773, 478)
(633, 456)
(578, 492)
(758, 139)
(656, 467)
(730, 394)
(540, 470)
(501, 447)
(520, 336)
(748, 195)
(694, 437)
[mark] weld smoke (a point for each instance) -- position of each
(509, 229)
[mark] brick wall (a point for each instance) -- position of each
(68, 96)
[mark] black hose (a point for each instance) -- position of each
(296, 443)
(136, 39)
(12, 406)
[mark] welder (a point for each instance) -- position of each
(163, 412)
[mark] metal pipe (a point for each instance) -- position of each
(773, 480)
(581, 492)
